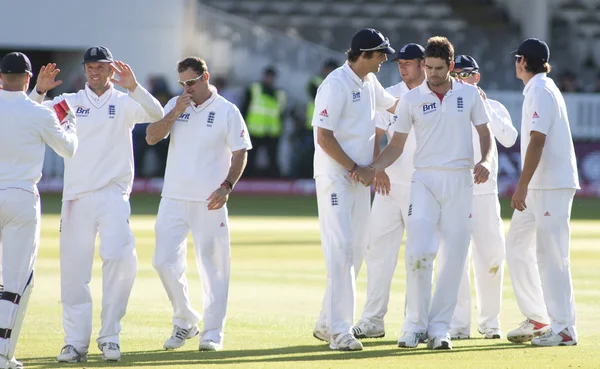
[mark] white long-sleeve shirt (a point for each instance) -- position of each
(26, 127)
(503, 130)
(104, 125)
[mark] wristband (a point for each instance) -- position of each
(227, 184)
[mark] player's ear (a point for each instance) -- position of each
(206, 76)
(477, 77)
(451, 66)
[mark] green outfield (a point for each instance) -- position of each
(277, 283)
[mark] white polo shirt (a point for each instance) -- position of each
(202, 141)
(544, 111)
(442, 128)
(503, 130)
(26, 127)
(346, 105)
(401, 171)
(104, 125)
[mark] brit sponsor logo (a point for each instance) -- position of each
(184, 117)
(428, 108)
(355, 96)
(81, 111)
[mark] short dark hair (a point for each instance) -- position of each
(353, 55)
(536, 66)
(440, 47)
(195, 63)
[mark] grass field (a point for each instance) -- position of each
(277, 282)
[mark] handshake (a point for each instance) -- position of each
(364, 175)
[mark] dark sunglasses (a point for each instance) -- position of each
(190, 82)
(463, 74)
(518, 57)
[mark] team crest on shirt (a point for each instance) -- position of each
(184, 117)
(428, 108)
(355, 96)
(111, 111)
(81, 111)
(460, 105)
(211, 119)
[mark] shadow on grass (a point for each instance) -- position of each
(304, 353)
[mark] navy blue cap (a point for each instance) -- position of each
(465, 62)
(15, 63)
(409, 52)
(98, 54)
(535, 49)
(369, 39)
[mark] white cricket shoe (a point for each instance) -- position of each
(68, 354)
(110, 351)
(10, 364)
(411, 339)
(368, 329)
(345, 342)
(209, 345)
(526, 331)
(440, 343)
(321, 333)
(459, 334)
(491, 333)
(552, 339)
(179, 336)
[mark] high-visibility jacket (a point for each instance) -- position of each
(264, 112)
(314, 84)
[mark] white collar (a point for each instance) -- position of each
(353, 76)
(532, 81)
(205, 104)
(13, 95)
(98, 101)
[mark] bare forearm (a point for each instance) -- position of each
(377, 148)
(485, 143)
(387, 157)
(155, 132)
(332, 147)
(238, 163)
(532, 159)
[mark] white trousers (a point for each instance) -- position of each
(488, 256)
(386, 228)
(19, 238)
(106, 213)
(538, 245)
(344, 207)
(441, 204)
(210, 231)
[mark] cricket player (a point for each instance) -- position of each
(538, 241)
(441, 112)
(488, 229)
(389, 211)
(207, 155)
(97, 184)
(26, 129)
(344, 133)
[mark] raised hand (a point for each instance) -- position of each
(183, 102)
(46, 78)
(126, 77)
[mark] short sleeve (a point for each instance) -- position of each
(237, 132)
(383, 99)
(542, 106)
(329, 104)
(403, 122)
(479, 113)
(383, 119)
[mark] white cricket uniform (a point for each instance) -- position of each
(97, 184)
(346, 105)
(202, 142)
(441, 199)
(26, 129)
(388, 220)
(488, 234)
(538, 241)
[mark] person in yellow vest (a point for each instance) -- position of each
(304, 142)
(263, 108)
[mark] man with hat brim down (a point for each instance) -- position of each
(345, 106)
(487, 238)
(389, 211)
(97, 185)
(26, 129)
(441, 111)
(538, 241)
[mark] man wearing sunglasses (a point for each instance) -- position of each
(389, 211)
(488, 229)
(97, 184)
(538, 241)
(207, 155)
(344, 129)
